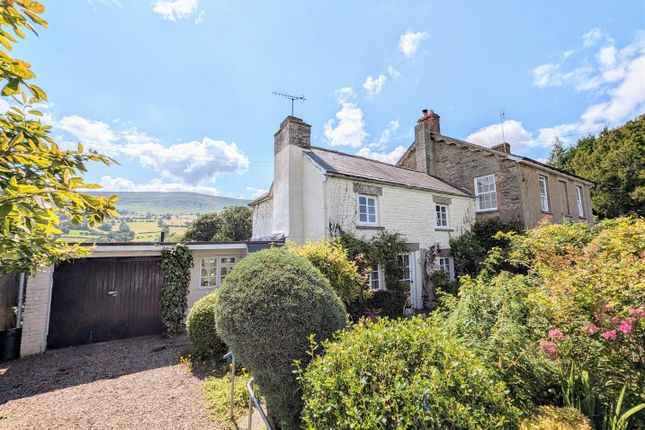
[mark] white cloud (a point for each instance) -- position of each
(514, 133)
(616, 76)
(390, 129)
(89, 132)
(191, 162)
(116, 184)
(175, 10)
(255, 192)
(349, 127)
(409, 42)
(393, 72)
(373, 86)
(387, 157)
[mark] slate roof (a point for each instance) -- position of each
(353, 166)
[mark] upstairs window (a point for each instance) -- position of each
(442, 216)
(544, 193)
(367, 210)
(485, 193)
(581, 207)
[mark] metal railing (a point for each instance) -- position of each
(253, 400)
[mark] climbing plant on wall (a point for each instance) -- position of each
(175, 264)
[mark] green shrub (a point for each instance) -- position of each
(217, 395)
(205, 344)
(342, 273)
(469, 250)
(552, 418)
(269, 306)
(400, 374)
(175, 264)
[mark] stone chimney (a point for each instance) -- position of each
(424, 143)
(432, 120)
(502, 147)
(293, 131)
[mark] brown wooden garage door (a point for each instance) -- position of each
(101, 299)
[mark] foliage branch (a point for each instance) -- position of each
(175, 264)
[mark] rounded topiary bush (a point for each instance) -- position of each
(269, 306)
(205, 344)
(402, 374)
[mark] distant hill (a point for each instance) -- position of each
(175, 203)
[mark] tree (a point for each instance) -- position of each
(559, 156)
(204, 228)
(615, 161)
(232, 224)
(237, 224)
(39, 181)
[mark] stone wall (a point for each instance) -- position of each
(460, 164)
(262, 219)
(36, 312)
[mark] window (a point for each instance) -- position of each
(367, 210)
(375, 279)
(564, 198)
(581, 208)
(485, 193)
(214, 270)
(445, 264)
(544, 193)
(442, 215)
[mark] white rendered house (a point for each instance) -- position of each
(318, 192)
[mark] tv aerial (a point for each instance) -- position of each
(290, 97)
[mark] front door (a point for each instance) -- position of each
(406, 261)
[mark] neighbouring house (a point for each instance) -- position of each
(505, 185)
(319, 193)
(114, 293)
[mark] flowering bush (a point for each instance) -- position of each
(576, 295)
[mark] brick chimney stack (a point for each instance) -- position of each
(293, 131)
(431, 119)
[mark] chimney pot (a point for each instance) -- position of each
(502, 147)
(431, 119)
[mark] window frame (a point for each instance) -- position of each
(543, 185)
(367, 207)
(437, 207)
(379, 280)
(450, 272)
(479, 193)
(580, 202)
(219, 265)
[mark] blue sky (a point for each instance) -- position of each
(180, 91)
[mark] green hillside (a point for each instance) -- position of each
(176, 203)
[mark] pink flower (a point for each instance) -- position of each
(637, 312)
(626, 325)
(556, 334)
(591, 329)
(609, 335)
(549, 348)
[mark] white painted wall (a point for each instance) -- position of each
(196, 290)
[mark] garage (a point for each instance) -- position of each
(102, 299)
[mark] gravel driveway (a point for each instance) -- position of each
(128, 384)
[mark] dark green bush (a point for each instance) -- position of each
(402, 374)
(269, 306)
(205, 344)
(470, 249)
